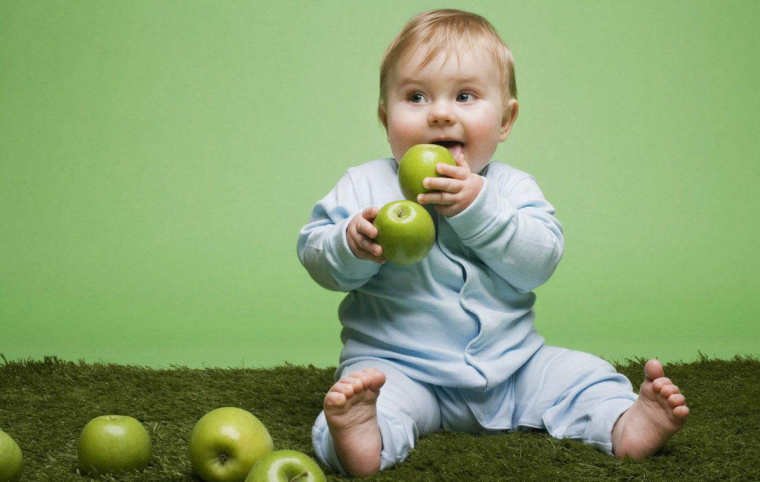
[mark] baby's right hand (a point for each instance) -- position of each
(360, 233)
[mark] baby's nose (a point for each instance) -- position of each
(441, 114)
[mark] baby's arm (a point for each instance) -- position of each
(323, 243)
(512, 229)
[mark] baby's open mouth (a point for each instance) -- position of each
(454, 147)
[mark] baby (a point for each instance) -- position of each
(449, 343)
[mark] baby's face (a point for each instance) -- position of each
(455, 100)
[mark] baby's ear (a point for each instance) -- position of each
(508, 119)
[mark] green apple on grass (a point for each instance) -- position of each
(405, 230)
(113, 443)
(226, 442)
(286, 466)
(11, 459)
(418, 163)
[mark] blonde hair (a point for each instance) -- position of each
(440, 29)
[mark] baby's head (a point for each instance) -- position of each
(448, 78)
(449, 31)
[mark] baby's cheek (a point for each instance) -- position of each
(403, 134)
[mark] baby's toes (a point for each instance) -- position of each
(676, 400)
(340, 394)
(661, 382)
(346, 386)
(356, 383)
(371, 378)
(653, 369)
(681, 411)
(669, 390)
(334, 399)
(364, 378)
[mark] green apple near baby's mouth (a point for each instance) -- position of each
(405, 230)
(418, 163)
(113, 443)
(11, 458)
(286, 466)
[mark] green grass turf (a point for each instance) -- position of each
(44, 405)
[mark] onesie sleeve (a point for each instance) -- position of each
(322, 245)
(512, 229)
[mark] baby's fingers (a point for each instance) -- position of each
(438, 197)
(361, 232)
(446, 184)
(365, 226)
(370, 213)
(373, 250)
(460, 171)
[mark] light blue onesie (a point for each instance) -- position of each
(454, 333)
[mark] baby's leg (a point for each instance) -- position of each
(372, 417)
(576, 395)
(571, 394)
(659, 412)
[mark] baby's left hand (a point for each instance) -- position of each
(453, 194)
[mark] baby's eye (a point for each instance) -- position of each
(416, 97)
(465, 97)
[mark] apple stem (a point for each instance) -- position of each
(300, 476)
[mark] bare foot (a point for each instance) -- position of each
(352, 418)
(659, 412)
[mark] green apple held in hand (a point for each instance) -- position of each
(405, 230)
(113, 443)
(418, 163)
(225, 444)
(11, 459)
(286, 466)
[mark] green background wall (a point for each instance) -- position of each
(158, 158)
